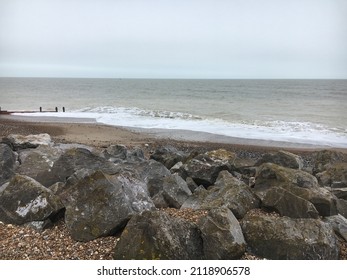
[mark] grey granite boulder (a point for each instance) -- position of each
(171, 191)
(157, 236)
(24, 200)
(299, 183)
(339, 224)
(222, 235)
(7, 163)
(322, 160)
(282, 158)
(168, 155)
(72, 160)
(335, 176)
(288, 204)
(227, 192)
(101, 204)
(18, 142)
(284, 238)
(341, 205)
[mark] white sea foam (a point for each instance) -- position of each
(297, 132)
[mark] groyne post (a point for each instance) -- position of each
(40, 109)
(56, 109)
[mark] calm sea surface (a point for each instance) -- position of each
(303, 111)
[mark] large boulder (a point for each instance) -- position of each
(204, 168)
(101, 204)
(288, 204)
(227, 192)
(172, 191)
(326, 158)
(72, 160)
(222, 235)
(335, 176)
(276, 237)
(24, 200)
(18, 142)
(339, 224)
(37, 163)
(299, 183)
(282, 158)
(7, 163)
(270, 174)
(169, 156)
(119, 153)
(156, 235)
(341, 205)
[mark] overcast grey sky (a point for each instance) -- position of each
(174, 39)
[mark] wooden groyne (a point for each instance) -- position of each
(5, 112)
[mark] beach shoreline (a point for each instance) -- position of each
(89, 132)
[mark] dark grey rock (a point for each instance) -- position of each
(227, 192)
(297, 182)
(115, 153)
(288, 204)
(322, 160)
(335, 176)
(341, 205)
(293, 239)
(24, 200)
(156, 235)
(169, 156)
(74, 159)
(7, 163)
(18, 142)
(101, 204)
(222, 235)
(282, 158)
(339, 224)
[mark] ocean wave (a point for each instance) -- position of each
(275, 130)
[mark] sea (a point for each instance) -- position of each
(296, 111)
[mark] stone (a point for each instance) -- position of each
(191, 184)
(282, 158)
(168, 155)
(270, 174)
(339, 224)
(101, 204)
(341, 205)
(18, 142)
(227, 192)
(24, 200)
(7, 163)
(171, 191)
(37, 163)
(287, 204)
(297, 182)
(324, 159)
(115, 153)
(335, 176)
(283, 238)
(74, 159)
(204, 168)
(155, 235)
(222, 235)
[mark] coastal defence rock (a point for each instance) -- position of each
(156, 235)
(72, 160)
(100, 204)
(282, 158)
(204, 168)
(24, 200)
(324, 159)
(299, 183)
(168, 156)
(171, 191)
(227, 192)
(222, 235)
(7, 163)
(339, 224)
(287, 204)
(18, 142)
(335, 176)
(283, 238)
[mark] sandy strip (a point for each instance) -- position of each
(89, 132)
